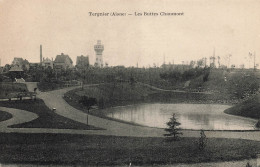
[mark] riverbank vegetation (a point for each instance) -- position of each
(111, 150)
(47, 118)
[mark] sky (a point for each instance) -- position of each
(65, 26)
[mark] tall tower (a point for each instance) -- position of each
(40, 54)
(99, 49)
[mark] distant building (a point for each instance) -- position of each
(82, 62)
(17, 61)
(1, 70)
(62, 61)
(46, 62)
(20, 62)
(99, 48)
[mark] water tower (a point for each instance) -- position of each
(99, 49)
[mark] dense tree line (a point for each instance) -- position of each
(174, 75)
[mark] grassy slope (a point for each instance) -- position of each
(115, 94)
(48, 86)
(111, 150)
(47, 118)
(5, 116)
(6, 88)
(248, 108)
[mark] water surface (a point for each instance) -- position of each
(191, 116)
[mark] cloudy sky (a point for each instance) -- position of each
(231, 27)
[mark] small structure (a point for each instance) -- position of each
(16, 72)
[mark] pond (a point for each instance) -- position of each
(191, 116)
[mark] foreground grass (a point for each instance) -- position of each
(4, 116)
(111, 150)
(47, 118)
(249, 108)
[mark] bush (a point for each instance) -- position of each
(243, 86)
(257, 124)
(202, 140)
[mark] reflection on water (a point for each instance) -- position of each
(191, 116)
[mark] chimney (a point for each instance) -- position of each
(40, 54)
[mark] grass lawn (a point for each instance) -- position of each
(48, 86)
(7, 88)
(5, 116)
(111, 150)
(47, 118)
(249, 108)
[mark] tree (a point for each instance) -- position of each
(88, 103)
(173, 130)
(200, 63)
(192, 64)
(248, 165)
(218, 62)
(202, 140)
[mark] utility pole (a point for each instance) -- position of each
(254, 62)
(164, 59)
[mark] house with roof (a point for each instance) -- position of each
(62, 62)
(24, 64)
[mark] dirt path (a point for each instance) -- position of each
(177, 91)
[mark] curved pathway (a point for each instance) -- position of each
(177, 91)
(19, 116)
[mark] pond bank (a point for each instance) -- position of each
(123, 94)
